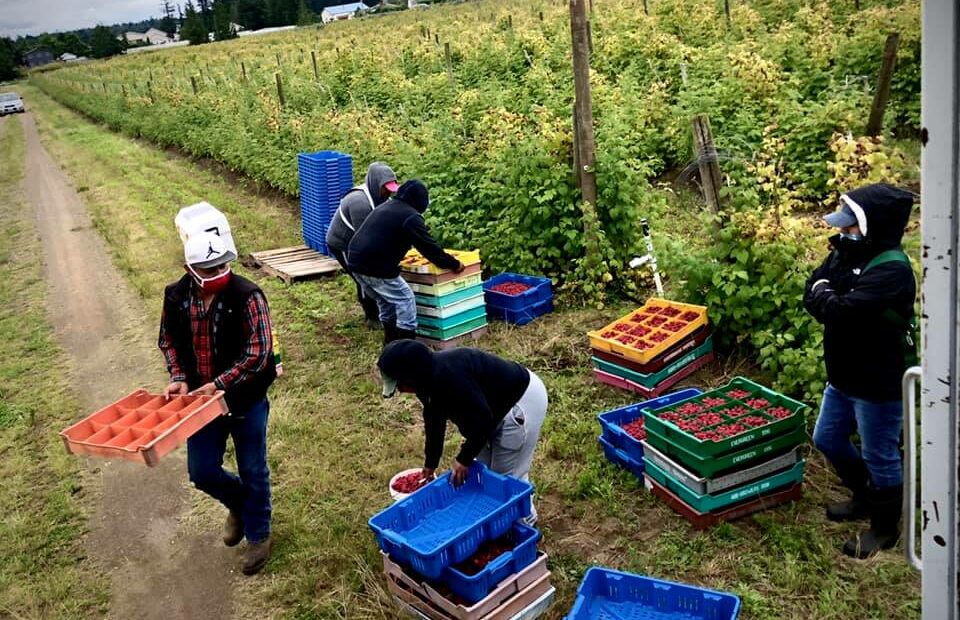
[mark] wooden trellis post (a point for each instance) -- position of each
(710, 178)
(583, 108)
(449, 58)
(193, 83)
(316, 72)
(882, 96)
(283, 101)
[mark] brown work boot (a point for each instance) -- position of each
(256, 556)
(232, 530)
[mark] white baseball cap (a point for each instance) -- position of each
(207, 250)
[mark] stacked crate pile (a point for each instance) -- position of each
(325, 177)
(465, 553)
(652, 348)
(450, 306)
(517, 298)
(725, 453)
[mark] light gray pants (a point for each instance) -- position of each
(511, 449)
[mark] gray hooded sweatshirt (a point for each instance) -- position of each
(357, 204)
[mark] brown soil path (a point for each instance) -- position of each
(157, 567)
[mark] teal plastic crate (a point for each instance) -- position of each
(440, 301)
(453, 331)
(450, 322)
(686, 440)
(653, 379)
(711, 503)
(453, 309)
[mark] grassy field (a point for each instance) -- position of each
(334, 442)
(43, 573)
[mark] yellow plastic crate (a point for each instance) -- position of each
(414, 262)
(650, 330)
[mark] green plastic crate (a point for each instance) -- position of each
(452, 331)
(686, 440)
(710, 466)
(429, 322)
(651, 380)
(441, 301)
(453, 309)
(711, 503)
(447, 287)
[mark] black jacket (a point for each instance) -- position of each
(228, 338)
(863, 349)
(385, 237)
(471, 388)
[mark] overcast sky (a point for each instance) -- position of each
(18, 17)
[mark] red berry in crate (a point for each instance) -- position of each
(409, 483)
(510, 288)
(642, 345)
(736, 411)
(674, 326)
(729, 430)
(488, 552)
(779, 412)
(625, 338)
(689, 316)
(670, 312)
(753, 421)
(738, 394)
(640, 330)
(635, 429)
(709, 419)
(688, 409)
(756, 403)
(653, 309)
(609, 334)
(622, 327)
(712, 401)
(689, 425)
(659, 336)
(670, 416)
(656, 321)
(707, 436)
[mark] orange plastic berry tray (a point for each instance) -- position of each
(142, 427)
(414, 262)
(649, 331)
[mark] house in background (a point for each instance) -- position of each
(150, 37)
(38, 57)
(342, 11)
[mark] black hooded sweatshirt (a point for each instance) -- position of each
(471, 388)
(863, 349)
(389, 232)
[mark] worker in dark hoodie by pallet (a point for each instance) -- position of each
(864, 295)
(497, 405)
(354, 208)
(379, 245)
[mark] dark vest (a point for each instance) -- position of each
(228, 338)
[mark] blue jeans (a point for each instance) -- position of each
(248, 494)
(394, 298)
(878, 425)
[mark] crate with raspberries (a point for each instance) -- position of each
(463, 552)
(720, 450)
(653, 348)
(450, 306)
(517, 298)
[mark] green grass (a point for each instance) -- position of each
(43, 572)
(334, 442)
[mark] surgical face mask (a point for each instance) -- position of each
(851, 236)
(214, 284)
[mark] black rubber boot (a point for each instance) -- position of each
(371, 312)
(854, 476)
(885, 507)
(406, 334)
(390, 333)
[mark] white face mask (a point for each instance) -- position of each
(851, 236)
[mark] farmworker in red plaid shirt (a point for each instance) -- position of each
(215, 335)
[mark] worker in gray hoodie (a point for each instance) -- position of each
(354, 208)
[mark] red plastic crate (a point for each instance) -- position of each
(142, 427)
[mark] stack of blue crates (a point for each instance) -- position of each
(325, 177)
(433, 532)
(523, 307)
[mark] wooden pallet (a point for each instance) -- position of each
(296, 263)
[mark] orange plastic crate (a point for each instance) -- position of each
(650, 330)
(142, 427)
(414, 262)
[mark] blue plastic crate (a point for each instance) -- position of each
(521, 316)
(622, 459)
(540, 290)
(611, 422)
(606, 594)
(441, 525)
(473, 588)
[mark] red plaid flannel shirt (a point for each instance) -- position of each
(256, 353)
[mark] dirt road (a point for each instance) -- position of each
(158, 568)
